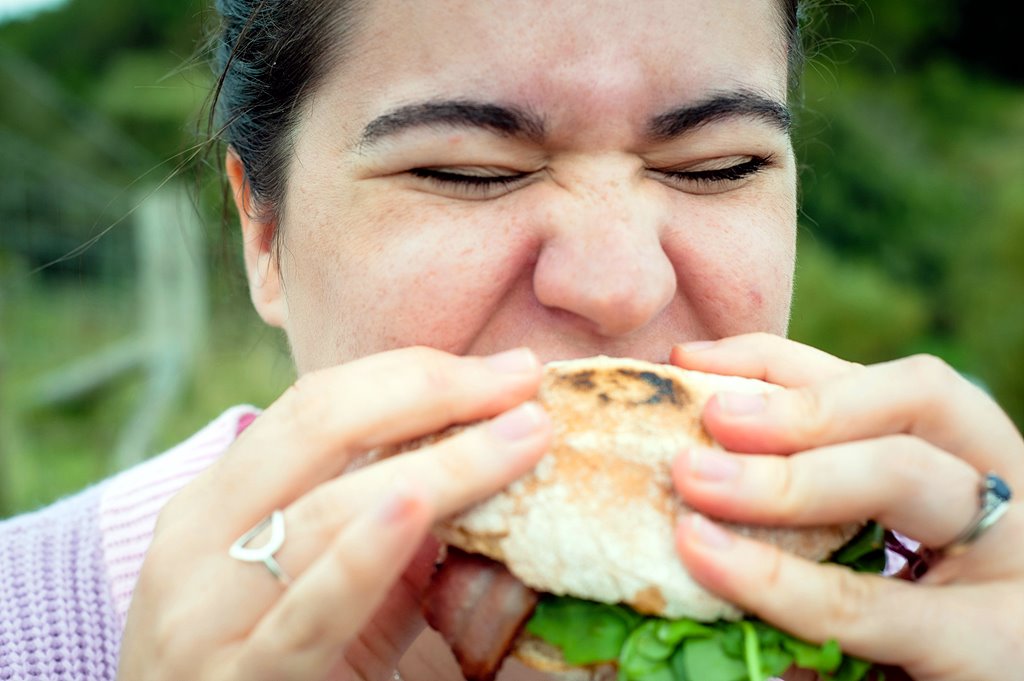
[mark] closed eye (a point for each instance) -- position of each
(467, 182)
(485, 183)
(710, 180)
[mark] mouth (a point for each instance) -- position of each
(661, 357)
(656, 351)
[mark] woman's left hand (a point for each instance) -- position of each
(905, 443)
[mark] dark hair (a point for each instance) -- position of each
(793, 17)
(271, 55)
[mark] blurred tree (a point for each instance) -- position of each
(907, 35)
(837, 298)
(100, 97)
(913, 159)
(85, 37)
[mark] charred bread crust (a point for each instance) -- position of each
(595, 519)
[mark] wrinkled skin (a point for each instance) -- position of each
(396, 284)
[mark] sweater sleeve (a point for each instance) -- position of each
(57, 615)
(67, 572)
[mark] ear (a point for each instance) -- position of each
(261, 267)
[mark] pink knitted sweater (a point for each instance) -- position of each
(67, 572)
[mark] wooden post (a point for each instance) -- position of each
(171, 276)
(172, 309)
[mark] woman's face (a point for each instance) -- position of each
(577, 177)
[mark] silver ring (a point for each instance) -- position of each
(263, 554)
(993, 501)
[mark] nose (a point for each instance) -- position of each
(602, 258)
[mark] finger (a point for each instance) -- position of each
(880, 619)
(397, 624)
(454, 473)
(763, 356)
(451, 475)
(902, 482)
(919, 396)
(328, 417)
(305, 634)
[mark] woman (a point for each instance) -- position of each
(428, 189)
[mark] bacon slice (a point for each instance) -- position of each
(478, 607)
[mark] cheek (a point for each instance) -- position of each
(451, 283)
(436, 293)
(737, 272)
(401, 277)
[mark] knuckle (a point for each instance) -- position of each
(774, 571)
(438, 377)
(811, 414)
(315, 513)
(760, 341)
(788, 497)
(849, 600)
(458, 460)
(904, 458)
(298, 631)
(422, 354)
(308, 402)
(167, 517)
(930, 373)
(423, 372)
(454, 461)
(171, 639)
(934, 382)
(904, 467)
(763, 337)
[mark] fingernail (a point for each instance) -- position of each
(710, 534)
(517, 361)
(518, 423)
(741, 404)
(709, 464)
(697, 346)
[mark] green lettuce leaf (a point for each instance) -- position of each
(705, 659)
(825, 658)
(653, 649)
(586, 632)
(865, 552)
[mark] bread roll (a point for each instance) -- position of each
(595, 519)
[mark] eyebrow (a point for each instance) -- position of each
(735, 104)
(502, 119)
(517, 122)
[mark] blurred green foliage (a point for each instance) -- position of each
(913, 210)
(910, 134)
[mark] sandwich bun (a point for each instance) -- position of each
(595, 519)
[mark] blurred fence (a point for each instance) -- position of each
(61, 158)
(167, 331)
(171, 324)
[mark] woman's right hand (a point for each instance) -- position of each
(357, 546)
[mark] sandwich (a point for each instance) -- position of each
(573, 569)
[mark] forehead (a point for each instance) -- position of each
(571, 61)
